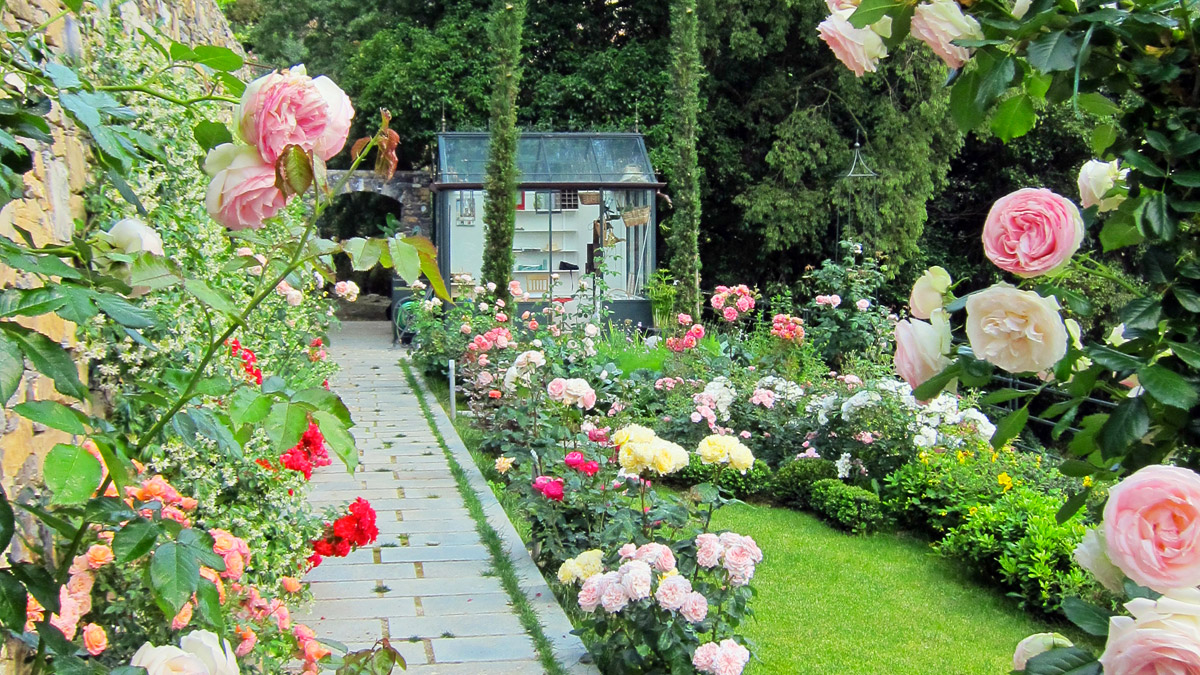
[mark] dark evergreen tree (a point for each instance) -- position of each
(683, 237)
(499, 209)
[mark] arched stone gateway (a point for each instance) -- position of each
(410, 188)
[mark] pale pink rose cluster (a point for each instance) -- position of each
(830, 301)
(347, 290)
(726, 657)
(737, 554)
(660, 556)
(763, 397)
(613, 591)
(281, 109)
(732, 302)
(573, 392)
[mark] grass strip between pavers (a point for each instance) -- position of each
(491, 539)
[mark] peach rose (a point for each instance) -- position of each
(1152, 527)
(1032, 232)
(242, 193)
(921, 348)
(591, 592)
(1162, 636)
(280, 109)
(337, 124)
(941, 22)
(859, 49)
(1096, 178)
(291, 584)
(1019, 331)
(98, 556)
(95, 640)
(183, 618)
(929, 292)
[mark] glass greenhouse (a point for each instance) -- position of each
(585, 207)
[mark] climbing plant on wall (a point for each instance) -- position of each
(685, 183)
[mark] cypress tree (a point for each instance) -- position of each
(499, 212)
(683, 239)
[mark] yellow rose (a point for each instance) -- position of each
(636, 457)
(634, 433)
(740, 457)
(569, 572)
(668, 457)
(929, 292)
(589, 563)
(714, 449)
(503, 464)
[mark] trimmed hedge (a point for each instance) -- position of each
(793, 481)
(847, 506)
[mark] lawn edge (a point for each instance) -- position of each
(534, 602)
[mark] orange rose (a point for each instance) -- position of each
(313, 651)
(98, 556)
(183, 617)
(95, 640)
(291, 584)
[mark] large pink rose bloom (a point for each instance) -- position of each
(1032, 232)
(1152, 527)
(242, 193)
(281, 109)
(859, 49)
(337, 124)
(1162, 636)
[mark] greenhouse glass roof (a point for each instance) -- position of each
(547, 159)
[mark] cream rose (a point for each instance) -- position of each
(1096, 178)
(1152, 527)
(213, 651)
(941, 22)
(1036, 644)
(133, 236)
(929, 292)
(921, 348)
(1091, 554)
(1162, 636)
(1019, 331)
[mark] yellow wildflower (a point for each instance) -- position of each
(972, 511)
(1087, 481)
(1005, 481)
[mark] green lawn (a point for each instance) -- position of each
(833, 603)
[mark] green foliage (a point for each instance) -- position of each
(793, 481)
(684, 232)
(756, 482)
(847, 506)
(846, 334)
(499, 209)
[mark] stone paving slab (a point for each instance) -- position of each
(428, 583)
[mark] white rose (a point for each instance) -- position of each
(213, 651)
(1019, 331)
(929, 292)
(1091, 555)
(576, 388)
(133, 236)
(591, 330)
(167, 660)
(1036, 644)
(1096, 178)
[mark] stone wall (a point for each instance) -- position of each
(54, 194)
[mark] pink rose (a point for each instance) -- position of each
(732, 658)
(745, 303)
(859, 49)
(921, 348)
(337, 123)
(556, 389)
(705, 658)
(684, 319)
(1032, 232)
(588, 400)
(729, 313)
(514, 288)
(718, 300)
(708, 550)
(627, 551)
(694, 607)
(658, 555)
(1152, 527)
(242, 193)
(739, 562)
(863, 304)
(636, 579)
(593, 588)
(554, 490)
(574, 459)
(1162, 636)
(941, 22)
(281, 109)
(614, 599)
(835, 300)
(672, 592)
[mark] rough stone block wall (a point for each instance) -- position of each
(54, 200)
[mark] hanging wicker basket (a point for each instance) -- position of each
(589, 198)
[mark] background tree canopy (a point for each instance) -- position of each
(778, 116)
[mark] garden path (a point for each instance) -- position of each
(442, 608)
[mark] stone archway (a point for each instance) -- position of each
(410, 188)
